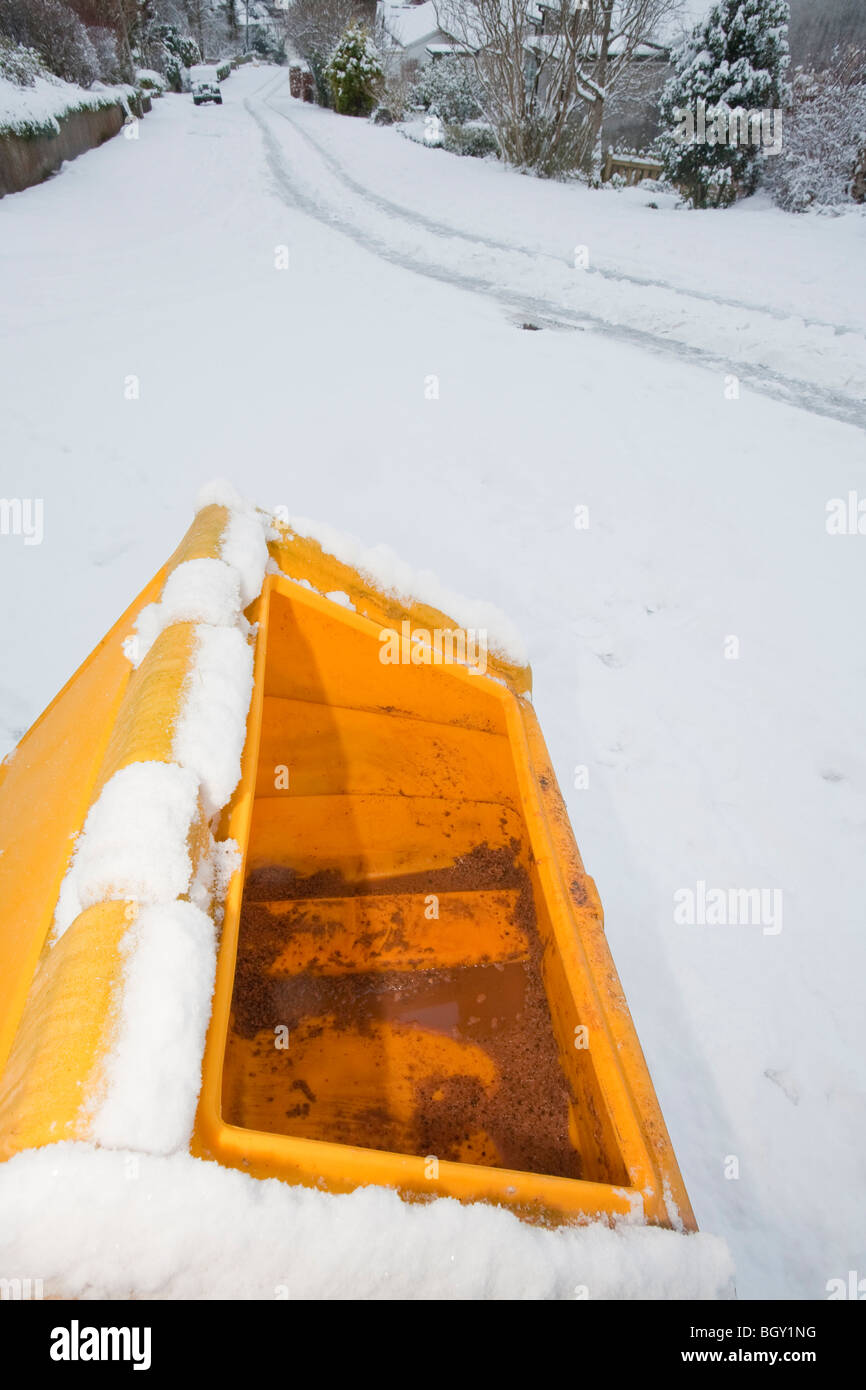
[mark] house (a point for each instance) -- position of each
(413, 32)
(631, 110)
(631, 113)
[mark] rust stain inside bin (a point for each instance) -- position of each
(389, 1047)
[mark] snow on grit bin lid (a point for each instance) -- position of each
(413, 986)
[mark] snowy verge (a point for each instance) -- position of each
(83, 1220)
(388, 194)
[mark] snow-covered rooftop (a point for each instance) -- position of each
(548, 43)
(410, 24)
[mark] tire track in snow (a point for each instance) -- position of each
(444, 229)
(786, 390)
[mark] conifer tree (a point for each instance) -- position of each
(733, 62)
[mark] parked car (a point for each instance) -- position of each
(205, 86)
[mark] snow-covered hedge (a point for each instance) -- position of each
(33, 101)
(19, 64)
(476, 139)
(65, 44)
(823, 159)
(36, 108)
(168, 50)
(449, 88)
(149, 80)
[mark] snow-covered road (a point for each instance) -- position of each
(152, 339)
(783, 352)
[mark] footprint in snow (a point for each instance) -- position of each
(107, 553)
(783, 1080)
(615, 757)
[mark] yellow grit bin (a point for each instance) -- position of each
(413, 985)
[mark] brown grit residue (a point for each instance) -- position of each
(500, 1008)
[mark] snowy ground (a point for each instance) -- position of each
(149, 342)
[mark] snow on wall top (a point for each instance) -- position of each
(38, 109)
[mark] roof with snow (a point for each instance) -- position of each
(409, 25)
(647, 51)
(442, 50)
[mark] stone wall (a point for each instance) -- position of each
(26, 161)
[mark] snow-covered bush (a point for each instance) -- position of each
(823, 160)
(168, 50)
(56, 33)
(149, 80)
(734, 61)
(474, 140)
(449, 88)
(19, 65)
(267, 44)
(355, 73)
(33, 101)
(553, 149)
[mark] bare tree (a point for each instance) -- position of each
(313, 28)
(545, 70)
(197, 14)
(818, 30)
(213, 24)
(120, 16)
